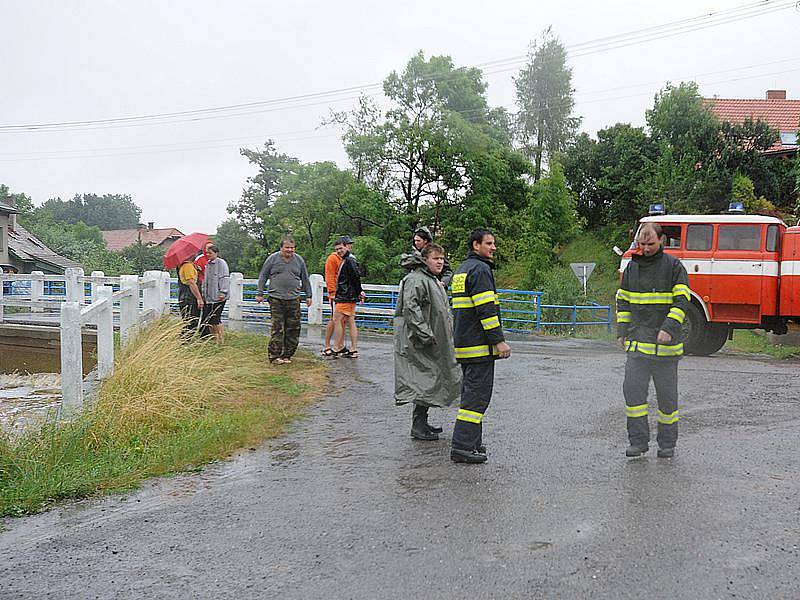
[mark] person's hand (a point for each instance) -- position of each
(663, 337)
(308, 302)
(200, 304)
(621, 342)
(259, 299)
(503, 350)
(221, 298)
(362, 296)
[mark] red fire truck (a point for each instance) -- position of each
(744, 273)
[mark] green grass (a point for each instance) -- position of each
(167, 408)
(604, 280)
(750, 341)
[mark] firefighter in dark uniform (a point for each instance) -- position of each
(479, 341)
(651, 308)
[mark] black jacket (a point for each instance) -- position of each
(476, 311)
(348, 284)
(653, 295)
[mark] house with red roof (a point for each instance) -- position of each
(119, 239)
(781, 114)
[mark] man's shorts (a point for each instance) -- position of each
(345, 308)
(212, 313)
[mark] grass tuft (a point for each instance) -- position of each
(168, 407)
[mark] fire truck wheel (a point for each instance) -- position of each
(715, 338)
(695, 328)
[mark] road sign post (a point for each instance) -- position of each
(582, 272)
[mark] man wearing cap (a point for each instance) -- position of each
(422, 238)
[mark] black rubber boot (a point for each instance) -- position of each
(634, 450)
(472, 457)
(419, 425)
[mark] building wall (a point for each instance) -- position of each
(4, 238)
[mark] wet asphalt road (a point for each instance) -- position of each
(348, 506)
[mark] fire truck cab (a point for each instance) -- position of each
(744, 273)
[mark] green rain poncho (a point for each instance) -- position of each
(425, 368)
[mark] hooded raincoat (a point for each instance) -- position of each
(425, 368)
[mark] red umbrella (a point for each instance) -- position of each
(183, 249)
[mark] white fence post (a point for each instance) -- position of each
(151, 295)
(74, 287)
(105, 333)
(315, 310)
(2, 308)
(96, 285)
(128, 308)
(71, 357)
(166, 287)
(37, 291)
(236, 297)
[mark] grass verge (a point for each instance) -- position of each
(750, 341)
(168, 407)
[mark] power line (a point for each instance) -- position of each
(298, 101)
(84, 153)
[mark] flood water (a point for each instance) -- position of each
(30, 385)
(14, 359)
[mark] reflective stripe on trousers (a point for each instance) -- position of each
(638, 372)
(476, 394)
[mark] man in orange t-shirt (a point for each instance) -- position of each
(332, 264)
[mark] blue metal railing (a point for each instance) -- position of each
(521, 310)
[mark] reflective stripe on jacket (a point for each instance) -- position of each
(476, 311)
(653, 296)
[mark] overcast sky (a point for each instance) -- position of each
(76, 61)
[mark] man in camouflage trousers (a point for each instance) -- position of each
(287, 275)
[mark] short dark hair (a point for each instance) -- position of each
(287, 239)
(213, 248)
(431, 249)
(477, 235)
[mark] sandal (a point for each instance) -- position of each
(351, 354)
(343, 352)
(328, 352)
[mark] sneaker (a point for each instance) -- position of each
(666, 452)
(634, 450)
(281, 361)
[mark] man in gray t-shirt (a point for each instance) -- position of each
(287, 275)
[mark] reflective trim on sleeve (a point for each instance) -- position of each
(644, 297)
(623, 316)
(462, 302)
(668, 419)
(634, 412)
(483, 298)
(472, 351)
(677, 314)
(470, 416)
(681, 289)
(490, 323)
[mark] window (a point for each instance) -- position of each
(772, 238)
(698, 237)
(671, 236)
(739, 237)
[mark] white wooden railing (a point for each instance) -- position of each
(74, 313)
(138, 300)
